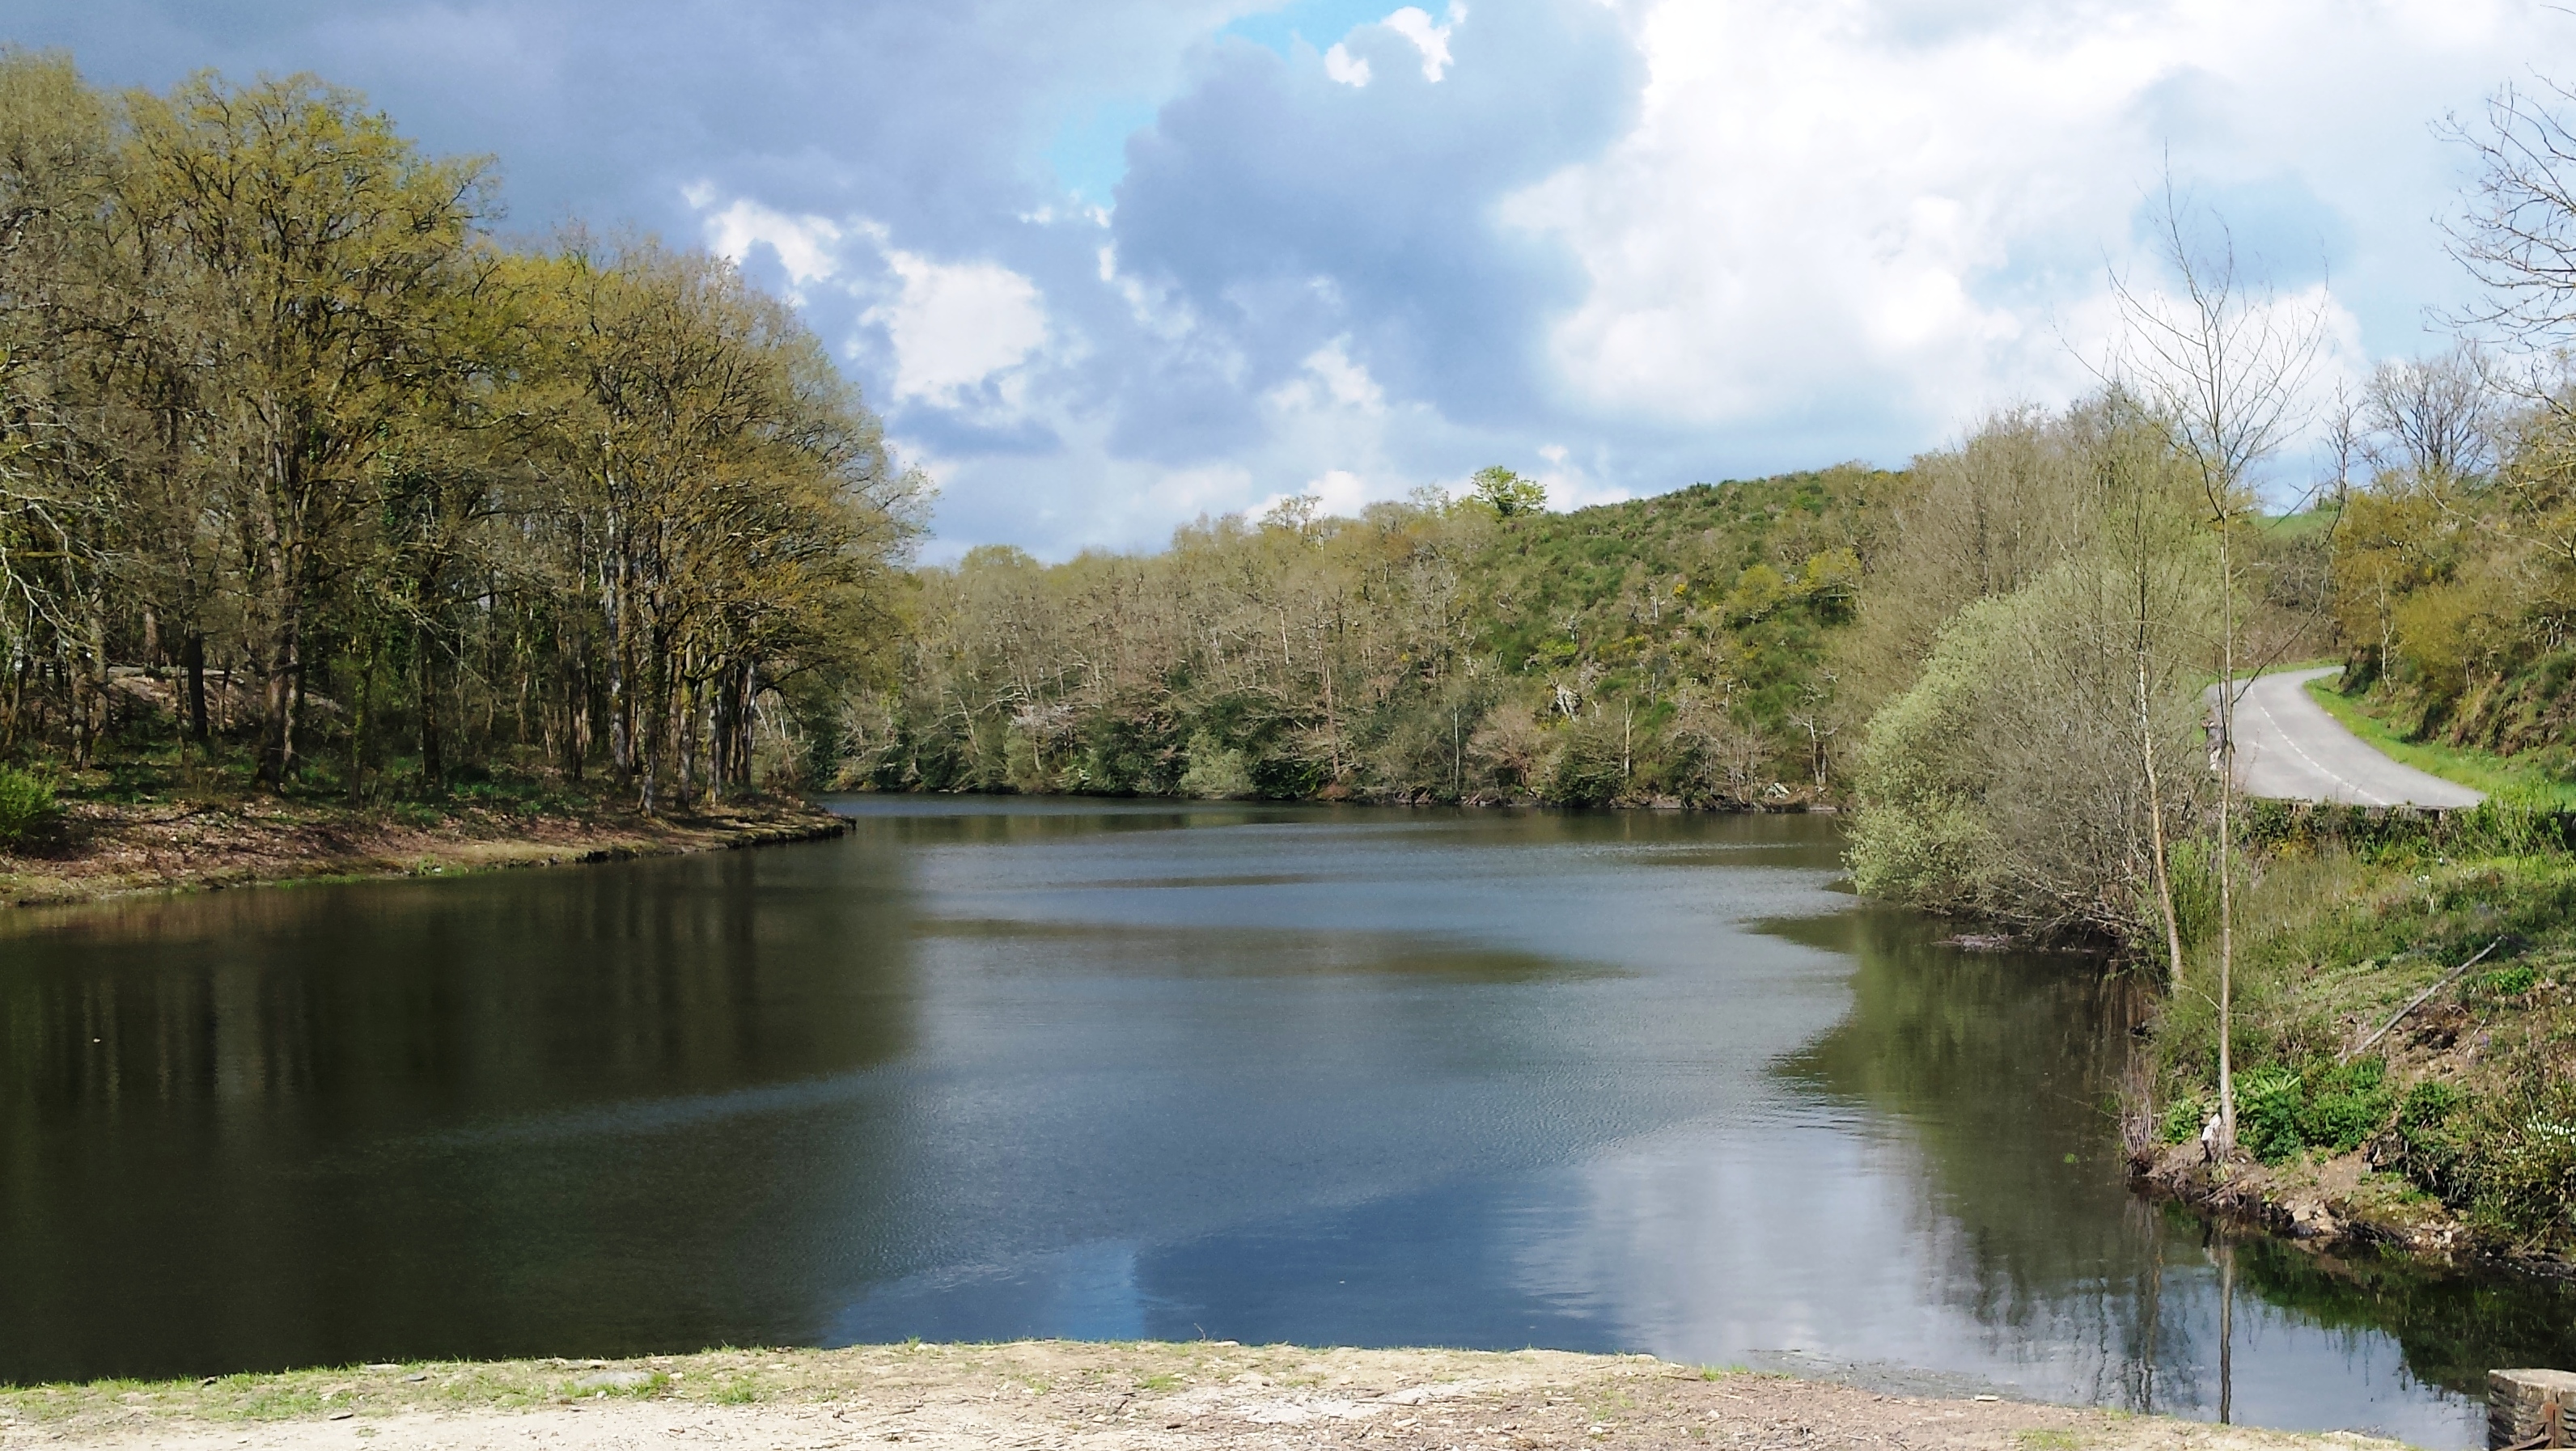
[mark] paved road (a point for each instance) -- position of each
(2288, 747)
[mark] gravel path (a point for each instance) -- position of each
(1081, 1397)
(2289, 748)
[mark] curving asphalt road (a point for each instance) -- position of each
(2288, 747)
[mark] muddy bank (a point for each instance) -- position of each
(1064, 1394)
(98, 850)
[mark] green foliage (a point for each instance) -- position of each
(2270, 1106)
(2032, 640)
(2507, 1159)
(2281, 1111)
(2509, 982)
(26, 805)
(1215, 771)
(1508, 493)
(2182, 1119)
(298, 462)
(1673, 648)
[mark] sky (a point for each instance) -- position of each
(1105, 267)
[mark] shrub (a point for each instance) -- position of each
(2183, 1119)
(2428, 1152)
(2270, 1106)
(2509, 982)
(26, 804)
(2346, 1105)
(1215, 772)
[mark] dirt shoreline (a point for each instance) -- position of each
(1097, 1397)
(102, 850)
(2329, 1207)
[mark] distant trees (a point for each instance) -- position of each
(290, 446)
(1429, 650)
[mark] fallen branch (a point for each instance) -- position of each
(2417, 1001)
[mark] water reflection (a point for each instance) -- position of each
(988, 1069)
(336, 1123)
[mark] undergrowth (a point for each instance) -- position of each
(2471, 1096)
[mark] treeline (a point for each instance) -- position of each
(1476, 650)
(2455, 562)
(301, 467)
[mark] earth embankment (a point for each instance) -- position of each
(1117, 1397)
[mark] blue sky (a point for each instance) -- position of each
(1106, 267)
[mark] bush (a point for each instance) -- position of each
(2270, 1103)
(2428, 1152)
(2183, 1119)
(2509, 982)
(2280, 1111)
(2346, 1105)
(1215, 772)
(26, 804)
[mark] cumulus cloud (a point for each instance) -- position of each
(955, 325)
(1105, 267)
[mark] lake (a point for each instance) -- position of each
(990, 1068)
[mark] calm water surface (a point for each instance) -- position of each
(987, 1069)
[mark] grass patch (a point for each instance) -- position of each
(2480, 770)
(2047, 1440)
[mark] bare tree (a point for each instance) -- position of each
(2519, 235)
(2225, 364)
(2436, 413)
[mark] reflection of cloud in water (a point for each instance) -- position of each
(1681, 1240)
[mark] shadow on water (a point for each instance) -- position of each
(310, 1125)
(2004, 1069)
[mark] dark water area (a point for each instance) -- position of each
(988, 1068)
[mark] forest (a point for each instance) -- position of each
(311, 482)
(1477, 649)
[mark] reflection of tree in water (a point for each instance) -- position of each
(2004, 1068)
(339, 1123)
(2453, 1327)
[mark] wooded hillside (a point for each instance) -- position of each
(1472, 650)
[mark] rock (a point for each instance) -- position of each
(2530, 1407)
(612, 1380)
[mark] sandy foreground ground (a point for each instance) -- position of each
(1084, 1397)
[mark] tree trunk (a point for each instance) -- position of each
(2226, 843)
(433, 755)
(277, 697)
(195, 660)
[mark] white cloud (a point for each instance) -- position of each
(956, 324)
(1329, 378)
(806, 246)
(1843, 207)
(1414, 24)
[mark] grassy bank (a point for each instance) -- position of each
(2453, 1131)
(2483, 770)
(1106, 1396)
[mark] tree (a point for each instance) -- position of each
(1508, 493)
(307, 247)
(2223, 365)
